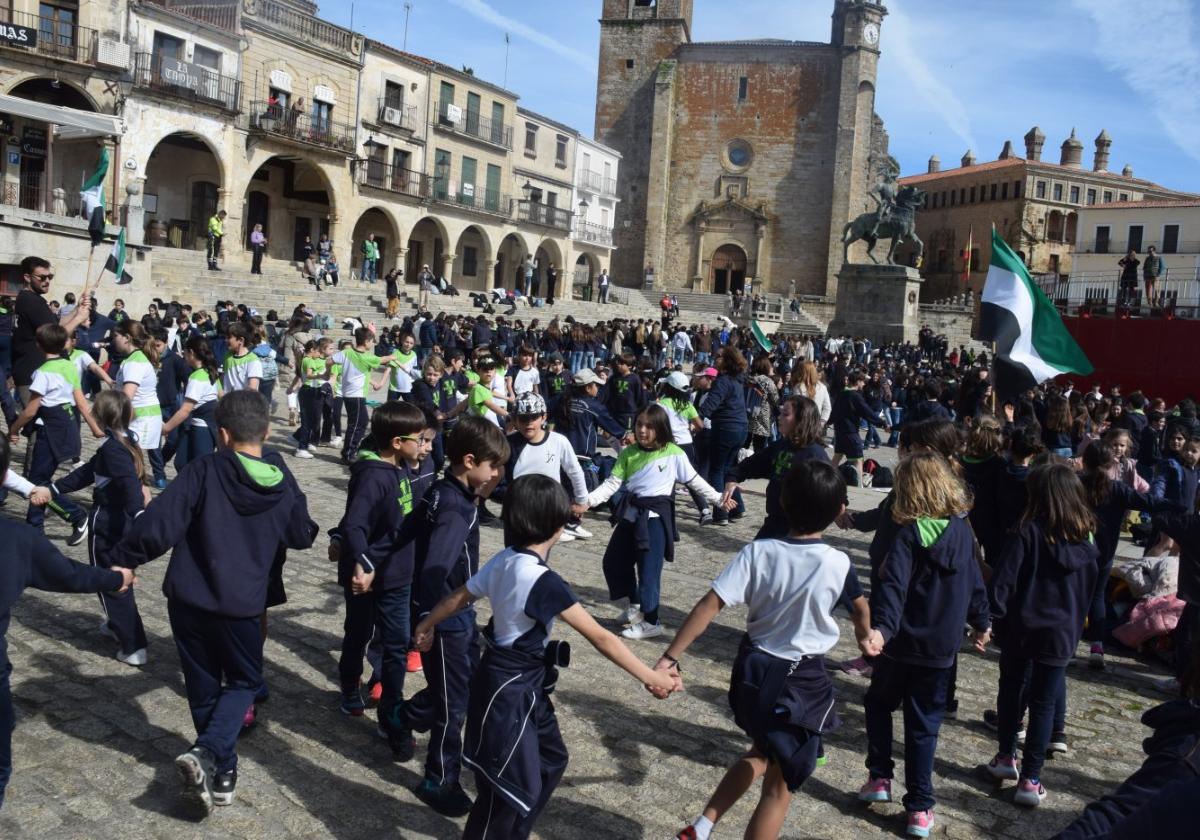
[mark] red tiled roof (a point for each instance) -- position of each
(963, 170)
(1150, 204)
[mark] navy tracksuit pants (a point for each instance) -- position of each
(922, 693)
(388, 613)
(8, 722)
(441, 707)
(120, 611)
(356, 426)
(222, 661)
(493, 816)
(42, 465)
(1042, 689)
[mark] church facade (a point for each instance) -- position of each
(741, 160)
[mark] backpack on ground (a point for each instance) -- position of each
(880, 475)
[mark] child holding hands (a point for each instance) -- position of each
(512, 738)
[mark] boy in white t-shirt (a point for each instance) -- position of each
(242, 370)
(523, 377)
(791, 587)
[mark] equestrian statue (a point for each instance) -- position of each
(894, 218)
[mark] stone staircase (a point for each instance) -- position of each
(182, 275)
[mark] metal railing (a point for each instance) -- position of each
(221, 14)
(395, 113)
(300, 126)
(598, 183)
(1119, 248)
(472, 124)
(1100, 293)
(383, 176)
(304, 26)
(57, 38)
(537, 213)
(473, 198)
(594, 233)
(162, 74)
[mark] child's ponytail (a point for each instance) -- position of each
(114, 412)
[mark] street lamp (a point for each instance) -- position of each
(527, 190)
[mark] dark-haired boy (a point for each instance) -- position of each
(357, 365)
(242, 368)
(555, 382)
(239, 496)
(447, 555)
(375, 566)
(54, 394)
(790, 587)
(850, 411)
(625, 396)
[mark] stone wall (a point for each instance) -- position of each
(955, 319)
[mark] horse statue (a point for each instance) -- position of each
(890, 221)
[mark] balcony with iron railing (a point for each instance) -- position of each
(383, 176)
(299, 25)
(393, 112)
(471, 124)
(472, 197)
(56, 38)
(537, 213)
(592, 233)
(186, 81)
(1120, 247)
(1100, 293)
(300, 127)
(597, 183)
(220, 14)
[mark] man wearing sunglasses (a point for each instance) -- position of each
(32, 311)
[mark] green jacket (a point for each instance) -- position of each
(370, 249)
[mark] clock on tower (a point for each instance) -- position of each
(871, 34)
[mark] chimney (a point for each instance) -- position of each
(1103, 145)
(1007, 151)
(1034, 141)
(968, 159)
(1127, 171)
(935, 164)
(1072, 152)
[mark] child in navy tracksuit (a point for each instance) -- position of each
(117, 471)
(27, 559)
(55, 394)
(982, 465)
(238, 496)
(1184, 529)
(446, 530)
(1040, 592)
(625, 394)
(780, 693)
(850, 411)
(799, 440)
(512, 738)
(375, 566)
(1177, 477)
(929, 586)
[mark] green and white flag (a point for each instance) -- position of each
(92, 199)
(1032, 344)
(116, 261)
(761, 337)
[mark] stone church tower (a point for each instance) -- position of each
(741, 160)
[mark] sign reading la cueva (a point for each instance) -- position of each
(18, 36)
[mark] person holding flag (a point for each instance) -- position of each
(1030, 341)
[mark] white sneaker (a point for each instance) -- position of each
(336, 440)
(567, 536)
(136, 659)
(579, 532)
(642, 630)
(304, 453)
(632, 614)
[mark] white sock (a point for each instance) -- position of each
(703, 826)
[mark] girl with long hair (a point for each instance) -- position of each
(138, 379)
(196, 415)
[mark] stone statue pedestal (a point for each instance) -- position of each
(879, 302)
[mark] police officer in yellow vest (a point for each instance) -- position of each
(216, 232)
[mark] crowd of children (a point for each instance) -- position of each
(1003, 526)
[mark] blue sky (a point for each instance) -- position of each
(953, 75)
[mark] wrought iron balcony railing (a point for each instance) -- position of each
(186, 81)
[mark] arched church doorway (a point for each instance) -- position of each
(729, 270)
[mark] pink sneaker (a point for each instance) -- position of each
(250, 718)
(688, 833)
(1030, 793)
(1004, 767)
(920, 823)
(857, 667)
(876, 790)
(414, 666)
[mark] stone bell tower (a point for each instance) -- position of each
(856, 33)
(635, 36)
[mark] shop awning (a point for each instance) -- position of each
(69, 123)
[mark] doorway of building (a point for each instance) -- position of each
(303, 229)
(729, 270)
(258, 208)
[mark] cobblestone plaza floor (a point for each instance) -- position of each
(95, 739)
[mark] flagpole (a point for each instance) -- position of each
(87, 272)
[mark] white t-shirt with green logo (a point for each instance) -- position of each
(56, 381)
(356, 371)
(239, 370)
(680, 413)
(201, 390)
(652, 472)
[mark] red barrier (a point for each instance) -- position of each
(1155, 355)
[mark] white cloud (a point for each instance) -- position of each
(485, 12)
(900, 49)
(1152, 46)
